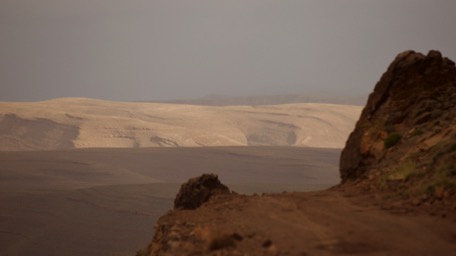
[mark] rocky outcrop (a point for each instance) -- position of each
(173, 237)
(403, 146)
(197, 191)
(405, 139)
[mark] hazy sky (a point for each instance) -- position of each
(158, 50)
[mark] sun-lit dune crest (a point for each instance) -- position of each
(85, 123)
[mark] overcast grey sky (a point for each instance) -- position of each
(158, 50)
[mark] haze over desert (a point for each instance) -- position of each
(227, 128)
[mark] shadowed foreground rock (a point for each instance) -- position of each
(404, 143)
(197, 191)
(400, 157)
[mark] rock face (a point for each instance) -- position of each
(404, 144)
(406, 135)
(197, 191)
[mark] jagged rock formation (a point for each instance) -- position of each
(197, 191)
(405, 139)
(403, 148)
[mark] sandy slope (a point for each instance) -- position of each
(83, 123)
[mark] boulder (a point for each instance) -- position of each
(197, 191)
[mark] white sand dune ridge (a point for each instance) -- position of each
(66, 123)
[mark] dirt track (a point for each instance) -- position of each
(316, 223)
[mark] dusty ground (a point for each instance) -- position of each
(106, 201)
(316, 223)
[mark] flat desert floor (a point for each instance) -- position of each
(106, 201)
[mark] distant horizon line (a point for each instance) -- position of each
(233, 99)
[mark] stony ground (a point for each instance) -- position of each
(331, 222)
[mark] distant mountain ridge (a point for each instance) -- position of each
(256, 100)
(67, 123)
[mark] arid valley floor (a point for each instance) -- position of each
(91, 177)
(106, 201)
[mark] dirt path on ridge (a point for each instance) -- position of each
(315, 223)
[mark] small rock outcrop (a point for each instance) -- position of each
(405, 139)
(197, 191)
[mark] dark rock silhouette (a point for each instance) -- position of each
(197, 191)
(400, 157)
(405, 138)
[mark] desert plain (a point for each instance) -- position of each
(90, 177)
(106, 201)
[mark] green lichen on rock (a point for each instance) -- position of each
(392, 139)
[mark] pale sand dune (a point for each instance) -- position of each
(85, 123)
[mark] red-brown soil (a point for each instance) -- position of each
(331, 222)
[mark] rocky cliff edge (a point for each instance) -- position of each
(401, 157)
(404, 143)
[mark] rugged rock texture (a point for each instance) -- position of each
(405, 139)
(402, 154)
(197, 191)
(296, 224)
